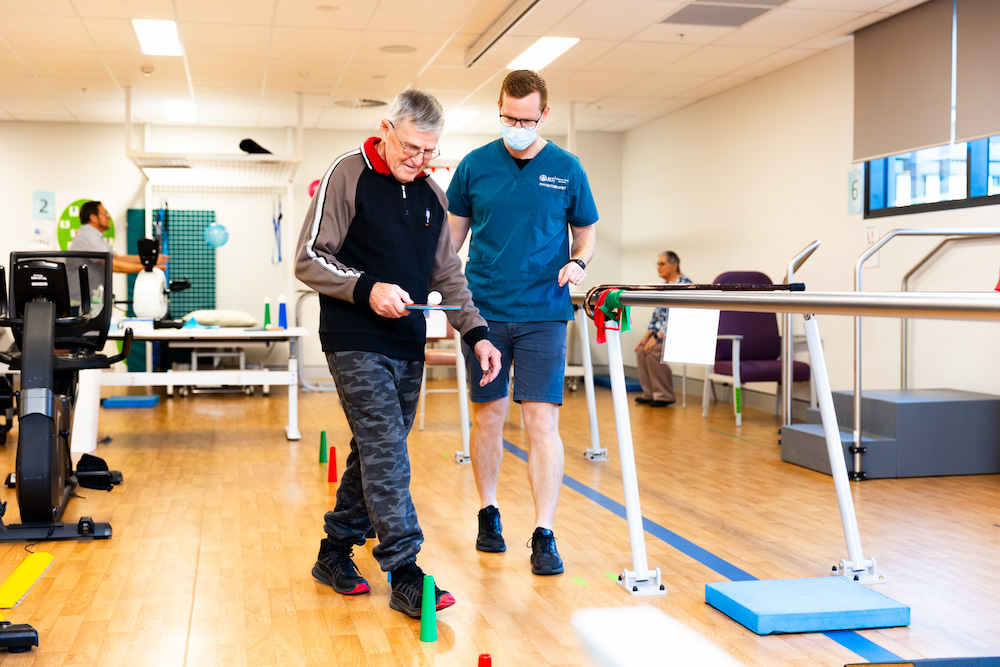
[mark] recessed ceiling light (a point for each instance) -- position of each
(397, 48)
(158, 38)
(179, 111)
(542, 52)
(457, 118)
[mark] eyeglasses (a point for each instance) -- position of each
(526, 123)
(413, 151)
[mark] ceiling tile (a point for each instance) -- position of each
(779, 60)
(162, 10)
(399, 15)
(36, 108)
(60, 63)
(95, 111)
(57, 33)
(112, 35)
(787, 27)
(223, 69)
(291, 74)
(641, 57)
(314, 43)
(682, 34)
(663, 85)
(37, 7)
(67, 88)
(618, 106)
(206, 39)
(22, 86)
(127, 68)
(600, 19)
(718, 60)
(242, 13)
(541, 19)
(348, 15)
(714, 87)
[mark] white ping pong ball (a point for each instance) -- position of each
(434, 298)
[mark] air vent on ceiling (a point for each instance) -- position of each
(715, 15)
(361, 103)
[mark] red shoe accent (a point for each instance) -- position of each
(446, 601)
(359, 589)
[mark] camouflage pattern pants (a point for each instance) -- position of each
(379, 395)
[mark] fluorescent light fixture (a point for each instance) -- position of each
(179, 111)
(158, 38)
(542, 52)
(457, 118)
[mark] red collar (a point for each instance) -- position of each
(375, 160)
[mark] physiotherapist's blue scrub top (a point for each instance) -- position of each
(519, 236)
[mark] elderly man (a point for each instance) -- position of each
(375, 238)
(657, 379)
(522, 197)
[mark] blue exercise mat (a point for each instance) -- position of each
(604, 380)
(805, 605)
(130, 401)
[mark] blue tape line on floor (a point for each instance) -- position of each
(849, 639)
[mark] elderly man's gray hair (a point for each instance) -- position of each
(422, 110)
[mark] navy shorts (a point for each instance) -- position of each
(538, 352)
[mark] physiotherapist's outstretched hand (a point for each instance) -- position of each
(389, 300)
(489, 361)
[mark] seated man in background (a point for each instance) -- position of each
(656, 378)
(94, 221)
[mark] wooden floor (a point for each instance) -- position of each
(217, 525)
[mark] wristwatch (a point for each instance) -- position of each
(583, 264)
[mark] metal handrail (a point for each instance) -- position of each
(904, 379)
(888, 236)
(786, 339)
(930, 305)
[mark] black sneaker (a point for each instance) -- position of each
(642, 400)
(490, 539)
(544, 557)
(408, 591)
(336, 568)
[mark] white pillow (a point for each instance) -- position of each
(222, 318)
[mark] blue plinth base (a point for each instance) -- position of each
(130, 401)
(805, 605)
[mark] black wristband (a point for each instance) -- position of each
(583, 264)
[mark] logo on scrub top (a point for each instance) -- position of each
(553, 182)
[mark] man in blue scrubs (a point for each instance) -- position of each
(518, 196)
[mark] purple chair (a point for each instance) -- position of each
(749, 348)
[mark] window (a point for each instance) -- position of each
(951, 176)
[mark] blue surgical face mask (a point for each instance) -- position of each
(518, 138)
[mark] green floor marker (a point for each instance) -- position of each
(611, 575)
(579, 581)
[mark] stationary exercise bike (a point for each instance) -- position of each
(55, 344)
